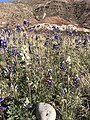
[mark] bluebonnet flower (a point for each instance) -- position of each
(2, 32)
(14, 40)
(46, 43)
(76, 82)
(49, 82)
(5, 29)
(11, 67)
(76, 33)
(25, 23)
(22, 29)
(50, 71)
(1, 107)
(85, 41)
(55, 45)
(69, 33)
(9, 32)
(56, 36)
(37, 37)
(62, 66)
(24, 35)
(29, 29)
(81, 73)
(0, 44)
(0, 48)
(3, 43)
(85, 38)
(18, 28)
(1, 99)
(14, 51)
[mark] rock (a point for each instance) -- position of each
(45, 111)
(55, 20)
(62, 27)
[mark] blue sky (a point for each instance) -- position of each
(6, 0)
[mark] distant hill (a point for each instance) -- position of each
(15, 13)
(75, 10)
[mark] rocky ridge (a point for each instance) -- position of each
(78, 12)
(59, 12)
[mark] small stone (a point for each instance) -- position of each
(45, 111)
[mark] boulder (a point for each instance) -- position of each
(45, 111)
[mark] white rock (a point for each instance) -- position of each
(4, 23)
(45, 111)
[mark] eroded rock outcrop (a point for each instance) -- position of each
(74, 10)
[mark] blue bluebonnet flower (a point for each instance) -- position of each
(56, 36)
(0, 44)
(24, 35)
(69, 33)
(49, 82)
(55, 45)
(2, 32)
(46, 43)
(50, 71)
(85, 38)
(29, 29)
(25, 23)
(85, 41)
(18, 28)
(14, 40)
(11, 67)
(62, 66)
(0, 48)
(76, 82)
(3, 43)
(5, 29)
(37, 37)
(2, 108)
(81, 73)
(9, 32)
(76, 33)
(22, 29)
(14, 51)
(1, 99)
